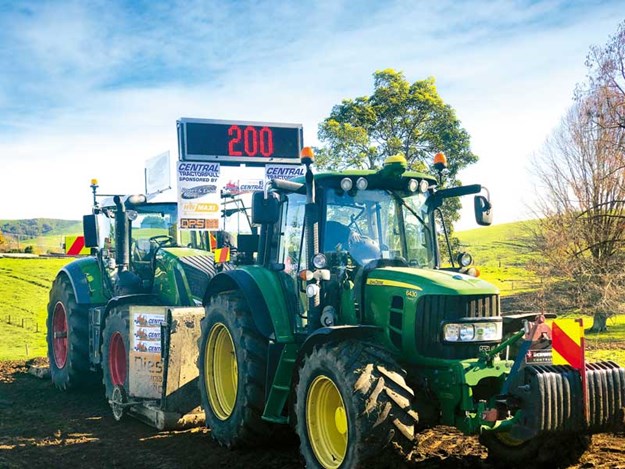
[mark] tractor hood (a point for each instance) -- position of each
(438, 282)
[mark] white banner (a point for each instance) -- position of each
(198, 195)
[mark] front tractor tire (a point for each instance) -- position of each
(351, 401)
(68, 338)
(115, 353)
(232, 366)
(548, 450)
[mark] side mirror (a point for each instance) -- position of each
(90, 231)
(483, 210)
(265, 211)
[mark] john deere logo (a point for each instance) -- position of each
(198, 191)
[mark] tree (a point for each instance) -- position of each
(581, 205)
(606, 80)
(398, 117)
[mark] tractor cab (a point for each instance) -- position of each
(344, 233)
(137, 242)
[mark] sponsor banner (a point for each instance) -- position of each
(198, 195)
(283, 171)
(145, 363)
(242, 186)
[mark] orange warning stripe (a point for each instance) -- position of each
(568, 345)
(222, 255)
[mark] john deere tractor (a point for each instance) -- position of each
(349, 328)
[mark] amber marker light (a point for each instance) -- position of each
(307, 156)
(94, 182)
(440, 161)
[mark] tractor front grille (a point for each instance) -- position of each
(433, 310)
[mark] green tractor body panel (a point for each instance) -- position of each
(392, 295)
(181, 275)
(270, 286)
(86, 279)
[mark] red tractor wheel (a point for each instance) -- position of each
(68, 338)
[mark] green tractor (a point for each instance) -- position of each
(348, 328)
(107, 319)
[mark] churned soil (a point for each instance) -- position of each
(42, 427)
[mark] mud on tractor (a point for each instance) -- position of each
(339, 320)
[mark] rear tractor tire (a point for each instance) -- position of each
(232, 367)
(549, 450)
(351, 401)
(115, 353)
(68, 338)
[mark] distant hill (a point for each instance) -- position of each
(41, 234)
(33, 227)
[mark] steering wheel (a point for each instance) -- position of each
(163, 240)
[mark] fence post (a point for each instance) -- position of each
(26, 349)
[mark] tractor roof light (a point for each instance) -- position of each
(307, 156)
(424, 186)
(361, 184)
(413, 185)
(440, 161)
(346, 184)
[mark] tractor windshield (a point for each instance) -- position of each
(379, 224)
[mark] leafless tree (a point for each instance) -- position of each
(581, 205)
(606, 79)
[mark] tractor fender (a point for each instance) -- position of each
(85, 277)
(143, 299)
(325, 335)
(260, 288)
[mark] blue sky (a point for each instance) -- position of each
(94, 88)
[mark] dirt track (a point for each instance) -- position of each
(41, 427)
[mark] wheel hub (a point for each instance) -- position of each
(220, 371)
(117, 360)
(59, 335)
(327, 422)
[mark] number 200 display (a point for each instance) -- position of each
(250, 141)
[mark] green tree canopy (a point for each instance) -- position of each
(398, 117)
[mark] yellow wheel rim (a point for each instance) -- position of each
(220, 371)
(327, 423)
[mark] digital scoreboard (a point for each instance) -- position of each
(236, 142)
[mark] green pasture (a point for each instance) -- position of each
(24, 287)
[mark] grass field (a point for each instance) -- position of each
(501, 253)
(24, 287)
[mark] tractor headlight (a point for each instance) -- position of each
(465, 259)
(346, 184)
(473, 331)
(451, 332)
(320, 261)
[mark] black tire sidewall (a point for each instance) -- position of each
(76, 371)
